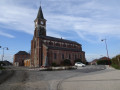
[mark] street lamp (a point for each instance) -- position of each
(106, 48)
(3, 51)
(0, 46)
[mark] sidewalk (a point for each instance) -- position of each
(103, 81)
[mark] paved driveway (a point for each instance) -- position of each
(25, 79)
(107, 80)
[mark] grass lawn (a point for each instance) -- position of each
(115, 66)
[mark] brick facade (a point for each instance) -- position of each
(46, 50)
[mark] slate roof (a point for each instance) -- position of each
(62, 48)
(5, 63)
(58, 39)
(22, 53)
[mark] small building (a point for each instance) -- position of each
(20, 57)
(5, 63)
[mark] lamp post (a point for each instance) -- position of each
(0, 46)
(106, 48)
(3, 51)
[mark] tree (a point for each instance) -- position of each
(116, 62)
(54, 64)
(104, 62)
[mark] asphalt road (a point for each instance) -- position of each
(25, 79)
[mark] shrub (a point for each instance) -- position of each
(66, 62)
(116, 62)
(54, 64)
(104, 62)
(115, 66)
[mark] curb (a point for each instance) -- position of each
(55, 68)
(6, 74)
(109, 67)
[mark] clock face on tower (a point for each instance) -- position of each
(42, 22)
(36, 23)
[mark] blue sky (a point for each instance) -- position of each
(84, 21)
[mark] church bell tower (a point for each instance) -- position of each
(40, 24)
(36, 43)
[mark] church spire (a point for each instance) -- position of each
(40, 24)
(40, 14)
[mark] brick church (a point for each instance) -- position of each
(46, 50)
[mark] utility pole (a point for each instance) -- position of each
(106, 50)
(3, 51)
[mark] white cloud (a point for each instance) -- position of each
(6, 34)
(84, 17)
(17, 17)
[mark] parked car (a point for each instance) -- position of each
(79, 64)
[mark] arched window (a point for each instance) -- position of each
(57, 44)
(64, 45)
(69, 56)
(62, 56)
(75, 46)
(50, 43)
(55, 56)
(80, 56)
(69, 46)
(75, 56)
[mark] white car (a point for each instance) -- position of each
(79, 64)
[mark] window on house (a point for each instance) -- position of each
(62, 56)
(55, 56)
(75, 56)
(50, 43)
(64, 45)
(57, 44)
(80, 57)
(69, 56)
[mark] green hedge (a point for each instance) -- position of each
(54, 64)
(115, 66)
(116, 62)
(66, 62)
(104, 62)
